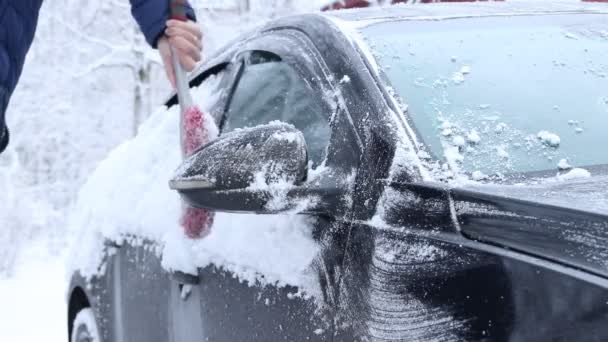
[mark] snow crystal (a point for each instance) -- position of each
(564, 165)
(473, 137)
(478, 176)
(465, 70)
(501, 127)
(424, 154)
(549, 139)
(457, 77)
(579, 130)
(570, 35)
(575, 174)
(345, 79)
(289, 137)
(458, 141)
(453, 156)
(501, 152)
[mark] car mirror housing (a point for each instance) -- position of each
(242, 171)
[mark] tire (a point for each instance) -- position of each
(84, 327)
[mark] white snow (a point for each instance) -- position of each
(458, 77)
(465, 70)
(564, 165)
(86, 317)
(549, 139)
(345, 79)
(269, 249)
(33, 299)
(502, 152)
(257, 248)
(478, 176)
(574, 174)
(458, 141)
(500, 127)
(289, 137)
(473, 137)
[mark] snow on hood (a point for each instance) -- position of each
(128, 195)
(586, 193)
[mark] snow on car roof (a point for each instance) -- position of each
(446, 10)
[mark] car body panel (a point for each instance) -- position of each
(387, 271)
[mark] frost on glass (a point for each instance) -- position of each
(497, 101)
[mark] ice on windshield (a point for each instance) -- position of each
(492, 99)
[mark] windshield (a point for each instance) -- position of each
(499, 96)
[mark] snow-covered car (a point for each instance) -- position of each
(447, 164)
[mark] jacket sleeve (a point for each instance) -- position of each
(151, 16)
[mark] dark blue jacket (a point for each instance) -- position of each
(18, 19)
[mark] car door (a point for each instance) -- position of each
(281, 77)
(150, 303)
(141, 289)
(410, 273)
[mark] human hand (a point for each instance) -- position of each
(186, 39)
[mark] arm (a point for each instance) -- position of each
(152, 17)
(162, 33)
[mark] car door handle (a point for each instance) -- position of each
(185, 282)
(185, 278)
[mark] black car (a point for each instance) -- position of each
(460, 191)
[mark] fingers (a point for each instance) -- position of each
(188, 26)
(188, 54)
(185, 37)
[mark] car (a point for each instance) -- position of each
(452, 160)
(344, 4)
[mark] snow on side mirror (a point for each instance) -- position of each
(242, 170)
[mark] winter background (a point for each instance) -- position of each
(89, 82)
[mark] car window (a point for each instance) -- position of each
(500, 99)
(270, 89)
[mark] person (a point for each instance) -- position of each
(18, 20)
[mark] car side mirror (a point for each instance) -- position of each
(245, 170)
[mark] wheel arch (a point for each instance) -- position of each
(78, 301)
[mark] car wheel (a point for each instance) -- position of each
(85, 327)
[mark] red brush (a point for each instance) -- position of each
(194, 133)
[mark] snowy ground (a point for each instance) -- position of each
(32, 300)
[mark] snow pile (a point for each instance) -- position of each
(33, 298)
(549, 139)
(576, 173)
(563, 164)
(128, 195)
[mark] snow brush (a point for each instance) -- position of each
(194, 131)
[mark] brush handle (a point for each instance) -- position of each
(178, 9)
(178, 12)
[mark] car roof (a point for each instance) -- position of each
(446, 10)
